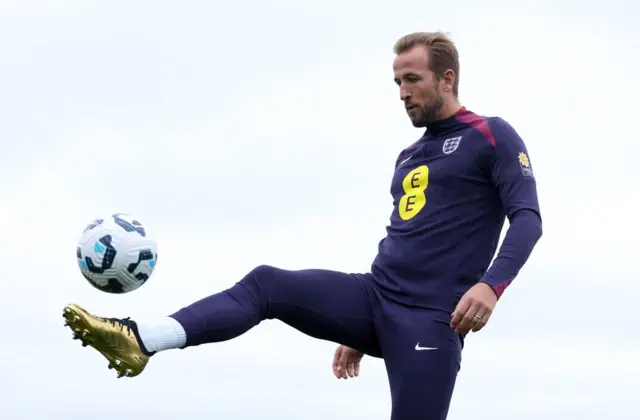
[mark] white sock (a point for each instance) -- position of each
(162, 334)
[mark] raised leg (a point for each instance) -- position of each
(324, 304)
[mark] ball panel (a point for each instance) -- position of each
(128, 223)
(104, 253)
(93, 224)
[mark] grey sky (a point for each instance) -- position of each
(236, 132)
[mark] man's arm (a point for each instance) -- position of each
(525, 228)
(512, 174)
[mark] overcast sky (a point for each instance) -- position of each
(234, 132)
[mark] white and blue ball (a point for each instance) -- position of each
(116, 254)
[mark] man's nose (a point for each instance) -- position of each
(404, 94)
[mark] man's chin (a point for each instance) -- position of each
(418, 122)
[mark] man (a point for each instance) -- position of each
(432, 281)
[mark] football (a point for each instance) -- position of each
(116, 254)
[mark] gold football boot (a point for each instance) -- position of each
(116, 339)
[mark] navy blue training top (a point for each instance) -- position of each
(452, 190)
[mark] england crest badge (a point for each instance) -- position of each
(450, 145)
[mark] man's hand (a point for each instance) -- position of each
(474, 309)
(346, 361)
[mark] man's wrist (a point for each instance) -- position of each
(498, 289)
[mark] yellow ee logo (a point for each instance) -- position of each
(414, 199)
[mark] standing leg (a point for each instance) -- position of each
(422, 356)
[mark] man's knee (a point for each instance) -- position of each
(260, 276)
(261, 283)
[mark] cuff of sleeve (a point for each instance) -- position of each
(498, 288)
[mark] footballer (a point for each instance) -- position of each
(434, 279)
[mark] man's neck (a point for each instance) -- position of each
(449, 108)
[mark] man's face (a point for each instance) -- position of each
(420, 90)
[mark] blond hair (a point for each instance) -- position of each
(443, 54)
